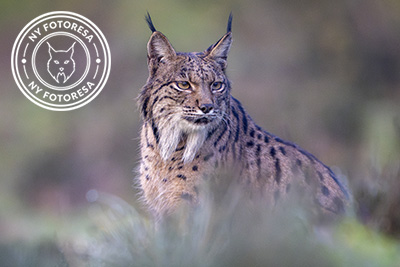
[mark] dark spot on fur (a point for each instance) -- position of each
(259, 136)
(180, 148)
(195, 168)
(325, 190)
(147, 177)
(272, 152)
(258, 152)
(180, 167)
(250, 144)
(181, 176)
(266, 139)
(150, 145)
(165, 180)
(298, 162)
(252, 132)
(283, 151)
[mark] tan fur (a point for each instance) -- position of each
(186, 133)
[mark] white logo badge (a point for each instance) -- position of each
(61, 61)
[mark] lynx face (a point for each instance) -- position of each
(61, 65)
(199, 92)
(189, 92)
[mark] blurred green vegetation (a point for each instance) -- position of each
(324, 74)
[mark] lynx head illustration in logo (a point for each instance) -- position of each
(61, 65)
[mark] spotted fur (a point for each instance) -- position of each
(187, 132)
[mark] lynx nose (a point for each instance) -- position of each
(206, 108)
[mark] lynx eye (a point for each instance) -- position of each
(217, 86)
(183, 85)
(56, 61)
(66, 61)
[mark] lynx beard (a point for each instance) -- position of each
(174, 130)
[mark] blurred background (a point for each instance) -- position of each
(323, 74)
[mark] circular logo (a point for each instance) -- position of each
(61, 61)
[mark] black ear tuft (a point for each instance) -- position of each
(149, 22)
(229, 28)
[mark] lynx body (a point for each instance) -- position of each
(192, 124)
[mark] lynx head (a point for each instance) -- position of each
(186, 94)
(61, 65)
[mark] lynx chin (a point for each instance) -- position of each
(192, 125)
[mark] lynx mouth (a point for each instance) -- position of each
(198, 120)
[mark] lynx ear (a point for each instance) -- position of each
(220, 50)
(159, 47)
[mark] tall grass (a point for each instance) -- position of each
(227, 230)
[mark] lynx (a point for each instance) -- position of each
(192, 124)
(61, 65)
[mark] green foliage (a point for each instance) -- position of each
(357, 245)
(227, 230)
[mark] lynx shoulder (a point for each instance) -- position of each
(191, 124)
